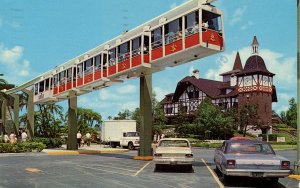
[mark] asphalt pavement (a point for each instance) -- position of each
(116, 170)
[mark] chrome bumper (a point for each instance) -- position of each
(258, 173)
(173, 161)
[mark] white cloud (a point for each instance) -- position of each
(277, 63)
(237, 15)
(247, 25)
(191, 69)
(10, 55)
(130, 105)
(107, 95)
(284, 96)
(127, 89)
(25, 68)
(160, 93)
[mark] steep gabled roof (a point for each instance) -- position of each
(237, 66)
(209, 87)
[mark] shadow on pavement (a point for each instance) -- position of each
(174, 169)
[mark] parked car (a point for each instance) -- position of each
(173, 151)
(250, 158)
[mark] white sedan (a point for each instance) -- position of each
(173, 151)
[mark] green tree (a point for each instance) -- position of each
(248, 116)
(123, 115)
(181, 120)
(88, 119)
(291, 113)
(283, 117)
(159, 118)
(136, 115)
(211, 122)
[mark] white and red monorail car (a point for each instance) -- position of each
(191, 31)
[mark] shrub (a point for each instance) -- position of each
(206, 145)
(21, 147)
(49, 142)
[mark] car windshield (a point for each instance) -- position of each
(174, 143)
(252, 148)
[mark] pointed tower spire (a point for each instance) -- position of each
(255, 46)
(237, 62)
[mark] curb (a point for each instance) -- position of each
(143, 158)
(88, 152)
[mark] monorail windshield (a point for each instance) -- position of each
(211, 20)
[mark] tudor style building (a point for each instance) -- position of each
(252, 84)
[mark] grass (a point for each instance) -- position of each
(292, 147)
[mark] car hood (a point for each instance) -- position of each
(173, 150)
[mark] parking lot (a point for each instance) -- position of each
(117, 170)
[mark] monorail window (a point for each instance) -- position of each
(136, 46)
(88, 66)
(173, 31)
(62, 77)
(47, 84)
(69, 74)
(41, 86)
(98, 62)
(191, 23)
(80, 70)
(104, 61)
(74, 73)
(36, 89)
(55, 82)
(156, 38)
(112, 56)
(146, 44)
(211, 21)
(51, 83)
(123, 52)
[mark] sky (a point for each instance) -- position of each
(36, 36)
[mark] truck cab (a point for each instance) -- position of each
(130, 140)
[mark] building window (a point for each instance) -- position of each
(169, 110)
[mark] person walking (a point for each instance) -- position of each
(24, 136)
(6, 138)
(12, 138)
(78, 139)
(88, 138)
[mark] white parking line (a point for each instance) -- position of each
(213, 175)
(141, 169)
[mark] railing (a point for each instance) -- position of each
(156, 44)
(136, 52)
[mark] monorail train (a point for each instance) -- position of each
(191, 31)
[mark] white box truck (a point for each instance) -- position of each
(120, 133)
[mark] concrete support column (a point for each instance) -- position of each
(72, 121)
(16, 111)
(30, 113)
(3, 115)
(146, 115)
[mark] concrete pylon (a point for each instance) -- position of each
(30, 113)
(72, 121)
(16, 111)
(146, 115)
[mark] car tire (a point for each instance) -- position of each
(218, 172)
(130, 146)
(274, 180)
(158, 167)
(227, 179)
